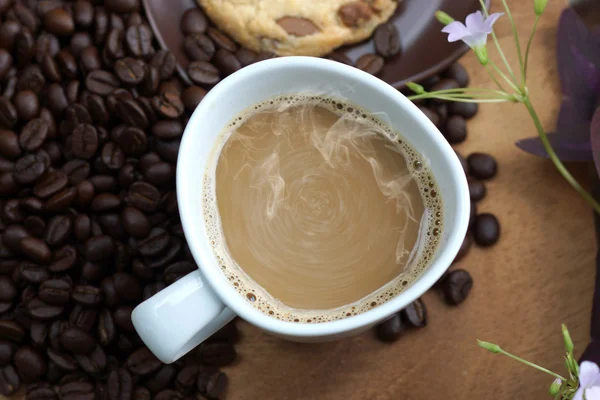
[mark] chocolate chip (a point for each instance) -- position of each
(298, 26)
(355, 13)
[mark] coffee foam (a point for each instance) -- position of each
(420, 256)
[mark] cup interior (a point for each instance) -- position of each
(291, 75)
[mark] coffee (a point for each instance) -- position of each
(317, 210)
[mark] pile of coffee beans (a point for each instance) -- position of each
(484, 229)
(91, 116)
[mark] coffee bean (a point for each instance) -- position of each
(120, 384)
(142, 362)
(9, 381)
(482, 166)
(31, 273)
(29, 363)
(87, 295)
(8, 291)
(64, 259)
(50, 184)
(155, 243)
(29, 169)
(94, 362)
(122, 318)
(24, 47)
(105, 202)
(130, 71)
(168, 105)
(59, 22)
(31, 78)
(6, 62)
(8, 113)
(226, 62)
(39, 335)
(55, 291)
(371, 63)
(387, 40)
(77, 171)
(83, 317)
(212, 384)
(27, 104)
(58, 230)
(432, 115)
(203, 73)
(458, 73)
(477, 189)
(111, 298)
(77, 341)
(416, 314)
(39, 310)
(218, 354)
(192, 96)
(169, 129)
(199, 47)
(464, 248)
(11, 331)
(9, 144)
(161, 380)
(85, 141)
(127, 287)
(61, 200)
(77, 390)
(106, 328)
(7, 351)
(486, 230)
(221, 40)
(57, 99)
(144, 196)
(112, 156)
(139, 40)
(89, 60)
(132, 113)
(391, 329)
(9, 31)
(64, 361)
(194, 21)
(457, 286)
(135, 222)
(101, 82)
(36, 250)
(33, 135)
(172, 85)
(122, 6)
(83, 13)
(165, 62)
(465, 110)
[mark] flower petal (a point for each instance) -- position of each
(456, 31)
(588, 372)
(491, 20)
(578, 394)
(592, 393)
(568, 149)
(475, 22)
(476, 40)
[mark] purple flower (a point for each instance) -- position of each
(578, 55)
(474, 33)
(589, 382)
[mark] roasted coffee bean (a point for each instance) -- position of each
(93, 272)
(456, 129)
(103, 183)
(111, 298)
(122, 6)
(159, 174)
(9, 144)
(87, 295)
(105, 202)
(58, 230)
(27, 104)
(39, 310)
(135, 222)
(79, 42)
(6, 62)
(59, 22)
(127, 287)
(199, 47)
(464, 248)
(77, 341)
(61, 200)
(155, 243)
(29, 169)
(111, 225)
(141, 393)
(39, 335)
(212, 383)
(7, 351)
(172, 85)
(169, 129)
(458, 73)
(465, 110)
(226, 62)
(221, 40)
(114, 48)
(30, 364)
(177, 270)
(33, 135)
(457, 286)
(192, 96)
(218, 354)
(161, 379)
(168, 105)
(73, 91)
(339, 57)
(151, 289)
(36, 250)
(83, 13)
(416, 314)
(51, 70)
(387, 40)
(186, 378)
(391, 329)
(11, 331)
(132, 113)
(8, 291)
(203, 73)
(122, 318)
(82, 227)
(486, 230)
(165, 62)
(50, 184)
(31, 78)
(24, 47)
(90, 60)
(477, 189)
(167, 149)
(142, 362)
(106, 328)
(150, 83)
(55, 291)
(139, 40)
(112, 156)
(482, 166)
(130, 71)
(12, 236)
(77, 390)
(83, 317)
(120, 384)
(8, 113)
(194, 21)
(9, 380)
(85, 141)
(168, 394)
(57, 100)
(371, 63)
(12, 211)
(144, 196)
(64, 361)
(101, 82)
(432, 115)
(64, 259)
(148, 159)
(77, 171)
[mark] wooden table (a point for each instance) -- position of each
(540, 274)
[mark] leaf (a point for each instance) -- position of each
(595, 138)
(566, 148)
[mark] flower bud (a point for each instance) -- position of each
(555, 387)
(444, 18)
(567, 338)
(539, 6)
(482, 55)
(494, 348)
(415, 87)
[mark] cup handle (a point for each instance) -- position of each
(180, 317)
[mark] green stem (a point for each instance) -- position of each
(537, 18)
(466, 99)
(497, 43)
(493, 77)
(557, 163)
(503, 75)
(518, 43)
(532, 365)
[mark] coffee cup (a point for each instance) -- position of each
(183, 315)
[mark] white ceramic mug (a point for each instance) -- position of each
(183, 315)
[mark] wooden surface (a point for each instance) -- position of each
(540, 274)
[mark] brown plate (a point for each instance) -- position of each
(426, 49)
